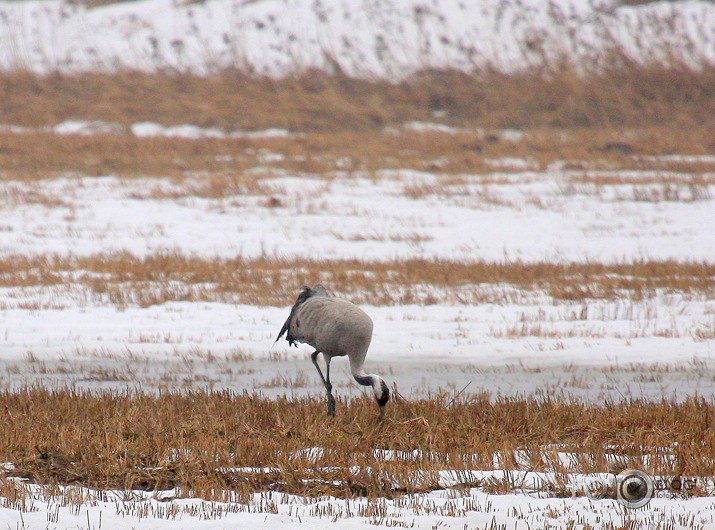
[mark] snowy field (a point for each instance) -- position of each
(472, 509)
(517, 212)
(527, 215)
(388, 39)
(494, 338)
(68, 335)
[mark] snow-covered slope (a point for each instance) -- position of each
(366, 38)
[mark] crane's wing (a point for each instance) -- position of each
(305, 293)
(286, 328)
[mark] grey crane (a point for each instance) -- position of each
(334, 327)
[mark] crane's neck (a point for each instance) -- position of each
(379, 387)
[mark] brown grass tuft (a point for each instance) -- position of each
(126, 279)
(619, 92)
(205, 443)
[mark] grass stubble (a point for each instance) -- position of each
(219, 167)
(224, 446)
(615, 91)
(123, 279)
(206, 443)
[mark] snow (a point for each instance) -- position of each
(426, 349)
(148, 129)
(373, 219)
(534, 216)
(86, 127)
(423, 126)
(390, 39)
(350, 216)
(472, 509)
(145, 129)
(70, 336)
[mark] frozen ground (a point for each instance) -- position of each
(422, 350)
(529, 216)
(594, 350)
(470, 509)
(370, 219)
(391, 38)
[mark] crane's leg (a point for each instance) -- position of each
(326, 382)
(329, 387)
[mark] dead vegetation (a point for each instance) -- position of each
(127, 280)
(222, 446)
(218, 167)
(207, 443)
(618, 92)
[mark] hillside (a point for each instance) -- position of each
(389, 39)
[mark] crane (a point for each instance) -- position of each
(334, 327)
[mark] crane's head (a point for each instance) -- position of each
(382, 394)
(379, 389)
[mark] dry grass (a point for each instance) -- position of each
(221, 167)
(621, 93)
(43, 155)
(229, 101)
(206, 443)
(647, 186)
(125, 279)
(209, 444)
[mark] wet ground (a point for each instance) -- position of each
(295, 376)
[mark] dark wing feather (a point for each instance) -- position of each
(305, 293)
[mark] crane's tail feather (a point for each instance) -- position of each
(286, 330)
(305, 293)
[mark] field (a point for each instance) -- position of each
(534, 245)
(543, 310)
(219, 460)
